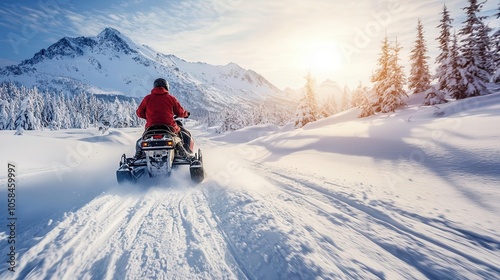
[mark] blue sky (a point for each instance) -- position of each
(280, 39)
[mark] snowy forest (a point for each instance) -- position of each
(468, 62)
(30, 109)
(24, 108)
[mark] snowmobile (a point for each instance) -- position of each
(162, 150)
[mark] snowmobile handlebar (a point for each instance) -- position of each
(177, 117)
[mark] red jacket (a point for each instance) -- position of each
(159, 107)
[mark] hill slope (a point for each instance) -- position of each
(386, 197)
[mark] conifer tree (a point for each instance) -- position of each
(38, 103)
(358, 95)
(484, 45)
(48, 111)
(366, 105)
(496, 57)
(389, 80)
(473, 66)
(4, 115)
(380, 77)
(307, 110)
(420, 77)
(230, 121)
(443, 61)
(456, 86)
(434, 96)
(392, 97)
(25, 119)
(81, 116)
(57, 118)
(63, 112)
(495, 47)
(12, 115)
(135, 120)
(116, 113)
(329, 107)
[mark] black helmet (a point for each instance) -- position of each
(160, 82)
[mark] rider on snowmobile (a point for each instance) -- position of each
(159, 108)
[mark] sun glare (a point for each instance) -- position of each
(322, 58)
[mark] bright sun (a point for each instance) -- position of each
(322, 58)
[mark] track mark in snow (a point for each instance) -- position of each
(155, 233)
(267, 240)
(431, 256)
(66, 249)
(204, 240)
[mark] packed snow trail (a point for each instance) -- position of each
(276, 204)
(154, 234)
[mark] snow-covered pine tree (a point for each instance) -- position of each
(434, 96)
(25, 119)
(444, 40)
(307, 110)
(266, 113)
(495, 47)
(366, 104)
(358, 95)
(455, 86)
(230, 121)
(473, 64)
(81, 114)
(135, 120)
(392, 97)
(56, 116)
(495, 41)
(329, 107)
(420, 77)
(380, 77)
(129, 111)
(214, 119)
(47, 111)
(98, 111)
(258, 114)
(38, 104)
(4, 115)
(303, 114)
(274, 113)
(485, 47)
(12, 116)
(63, 105)
(117, 114)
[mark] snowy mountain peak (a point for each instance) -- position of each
(108, 41)
(114, 40)
(329, 83)
(112, 63)
(66, 47)
(109, 32)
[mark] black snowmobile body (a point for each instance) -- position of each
(162, 150)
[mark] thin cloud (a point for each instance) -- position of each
(266, 36)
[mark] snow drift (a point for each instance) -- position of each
(409, 195)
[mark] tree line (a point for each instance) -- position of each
(24, 108)
(467, 62)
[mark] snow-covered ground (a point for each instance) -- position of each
(411, 195)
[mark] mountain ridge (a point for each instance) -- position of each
(112, 63)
